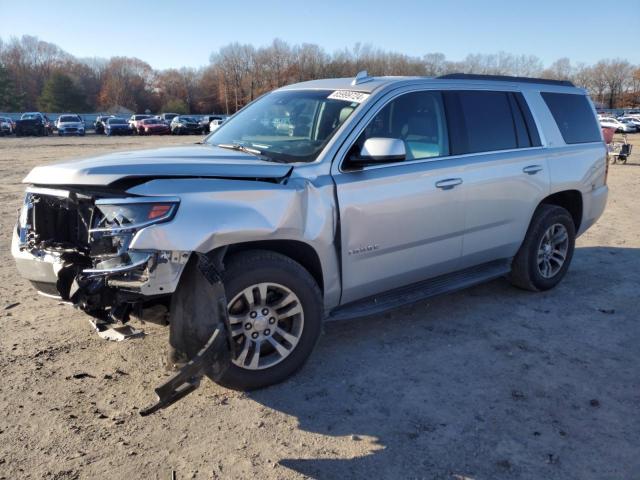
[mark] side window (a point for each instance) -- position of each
(486, 121)
(574, 116)
(417, 119)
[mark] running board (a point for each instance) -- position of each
(417, 292)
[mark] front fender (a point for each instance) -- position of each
(220, 212)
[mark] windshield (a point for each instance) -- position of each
(117, 121)
(151, 121)
(69, 118)
(187, 119)
(289, 126)
(29, 116)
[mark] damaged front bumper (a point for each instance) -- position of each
(148, 273)
(75, 247)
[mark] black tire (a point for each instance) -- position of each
(251, 267)
(525, 272)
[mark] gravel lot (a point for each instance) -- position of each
(489, 383)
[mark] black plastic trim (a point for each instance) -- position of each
(504, 78)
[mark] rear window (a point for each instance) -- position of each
(574, 116)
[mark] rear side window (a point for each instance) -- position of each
(484, 121)
(574, 116)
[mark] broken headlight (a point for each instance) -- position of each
(116, 221)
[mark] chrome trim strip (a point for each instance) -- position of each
(122, 269)
(48, 191)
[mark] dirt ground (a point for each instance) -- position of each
(488, 383)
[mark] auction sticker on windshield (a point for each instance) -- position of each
(349, 96)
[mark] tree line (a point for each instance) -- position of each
(38, 75)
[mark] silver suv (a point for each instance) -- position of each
(380, 192)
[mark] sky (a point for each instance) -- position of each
(175, 33)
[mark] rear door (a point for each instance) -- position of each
(506, 171)
(401, 222)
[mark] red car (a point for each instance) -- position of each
(135, 120)
(153, 126)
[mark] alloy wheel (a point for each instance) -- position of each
(267, 320)
(552, 250)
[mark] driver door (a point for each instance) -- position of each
(401, 222)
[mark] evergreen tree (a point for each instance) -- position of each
(10, 100)
(60, 94)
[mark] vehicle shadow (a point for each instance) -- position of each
(492, 382)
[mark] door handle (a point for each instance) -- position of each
(532, 169)
(448, 183)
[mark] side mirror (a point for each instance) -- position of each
(380, 150)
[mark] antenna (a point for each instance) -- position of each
(361, 77)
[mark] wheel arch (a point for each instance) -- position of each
(570, 200)
(301, 252)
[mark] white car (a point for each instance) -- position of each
(633, 120)
(215, 124)
(70, 125)
(609, 122)
(6, 127)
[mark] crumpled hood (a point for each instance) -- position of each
(183, 161)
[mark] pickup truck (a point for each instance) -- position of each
(380, 192)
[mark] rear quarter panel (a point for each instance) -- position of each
(580, 167)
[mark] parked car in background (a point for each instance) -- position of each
(185, 125)
(118, 126)
(135, 119)
(610, 122)
(215, 124)
(167, 117)
(100, 123)
(33, 123)
(386, 197)
(153, 126)
(6, 126)
(206, 120)
(633, 120)
(70, 125)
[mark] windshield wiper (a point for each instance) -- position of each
(253, 151)
(240, 148)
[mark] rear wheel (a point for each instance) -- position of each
(547, 250)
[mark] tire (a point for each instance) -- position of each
(537, 265)
(253, 267)
(290, 289)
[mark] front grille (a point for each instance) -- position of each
(57, 222)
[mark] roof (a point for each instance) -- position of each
(370, 84)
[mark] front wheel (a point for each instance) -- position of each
(547, 250)
(275, 316)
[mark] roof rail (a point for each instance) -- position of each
(505, 78)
